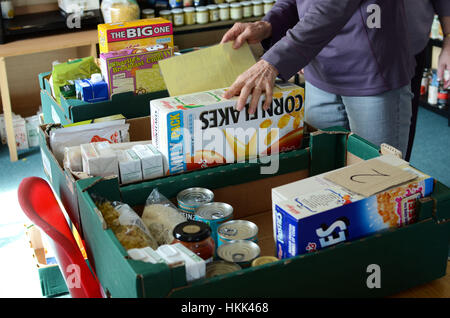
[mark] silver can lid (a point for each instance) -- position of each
(214, 211)
(239, 251)
(195, 196)
(238, 230)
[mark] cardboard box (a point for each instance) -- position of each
(342, 269)
(144, 32)
(129, 166)
(63, 181)
(315, 213)
(204, 129)
(151, 161)
(71, 111)
(134, 70)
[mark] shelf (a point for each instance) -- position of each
(210, 26)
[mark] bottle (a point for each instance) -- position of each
(425, 82)
(435, 28)
(433, 90)
(442, 96)
(7, 9)
(196, 236)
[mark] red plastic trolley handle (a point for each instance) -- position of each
(40, 205)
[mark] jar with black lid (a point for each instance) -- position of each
(196, 236)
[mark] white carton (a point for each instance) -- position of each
(129, 166)
(204, 129)
(99, 159)
(151, 161)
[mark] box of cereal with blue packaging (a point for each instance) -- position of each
(316, 213)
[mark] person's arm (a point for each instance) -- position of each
(320, 24)
(282, 17)
(442, 9)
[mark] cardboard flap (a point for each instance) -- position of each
(369, 177)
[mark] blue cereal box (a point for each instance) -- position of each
(315, 213)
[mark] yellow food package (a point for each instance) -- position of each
(138, 33)
(204, 129)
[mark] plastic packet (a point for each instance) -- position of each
(161, 216)
(118, 11)
(64, 74)
(126, 225)
(112, 131)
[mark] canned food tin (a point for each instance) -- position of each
(237, 230)
(241, 252)
(190, 199)
(217, 268)
(264, 260)
(214, 214)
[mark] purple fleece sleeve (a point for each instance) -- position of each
(298, 44)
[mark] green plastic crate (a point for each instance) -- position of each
(407, 257)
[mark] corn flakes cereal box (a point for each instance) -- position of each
(138, 33)
(315, 213)
(204, 129)
(134, 70)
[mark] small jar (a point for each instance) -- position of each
(224, 11)
(196, 236)
(213, 13)
(189, 15)
(178, 17)
(258, 9)
(247, 9)
(166, 14)
(219, 1)
(236, 11)
(202, 15)
(230, 1)
(268, 4)
(148, 13)
(188, 3)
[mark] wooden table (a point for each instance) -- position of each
(30, 46)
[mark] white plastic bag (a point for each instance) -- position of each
(118, 11)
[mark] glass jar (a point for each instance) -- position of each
(213, 13)
(230, 1)
(258, 9)
(219, 1)
(224, 11)
(148, 13)
(166, 14)
(247, 9)
(196, 236)
(7, 9)
(268, 4)
(236, 11)
(188, 3)
(178, 17)
(202, 15)
(189, 15)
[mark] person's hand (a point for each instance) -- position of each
(444, 61)
(251, 32)
(258, 79)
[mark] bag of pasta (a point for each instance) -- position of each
(161, 216)
(118, 11)
(126, 225)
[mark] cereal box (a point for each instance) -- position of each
(145, 32)
(315, 213)
(204, 129)
(134, 70)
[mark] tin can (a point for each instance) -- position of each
(237, 230)
(214, 214)
(264, 260)
(241, 252)
(190, 199)
(218, 268)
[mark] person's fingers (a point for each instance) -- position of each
(440, 71)
(242, 100)
(269, 96)
(232, 33)
(234, 89)
(256, 94)
(244, 36)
